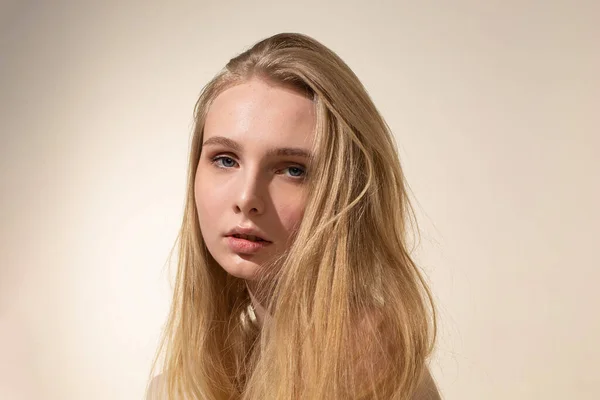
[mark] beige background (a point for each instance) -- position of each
(496, 109)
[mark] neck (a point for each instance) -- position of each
(259, 310)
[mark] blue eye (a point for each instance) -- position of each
(294, 170)
(217, 159)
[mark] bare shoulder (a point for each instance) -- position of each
(156, 388)
(427, 390)
(374, 321)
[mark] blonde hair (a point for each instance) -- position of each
(351, 314)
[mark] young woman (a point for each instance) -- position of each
(294, 279)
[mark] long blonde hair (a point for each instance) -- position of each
(351, 314)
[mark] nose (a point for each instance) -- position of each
(250, 197)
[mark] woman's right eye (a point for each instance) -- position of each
(228, 162)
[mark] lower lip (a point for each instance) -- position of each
(245, 246)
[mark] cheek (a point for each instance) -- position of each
(208, 200)
(291, 214)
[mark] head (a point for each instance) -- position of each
(252, 172)
(287, 142)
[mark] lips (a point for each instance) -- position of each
(249, 233)
(252, 238)
(244, 246)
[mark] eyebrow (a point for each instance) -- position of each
(279, 151)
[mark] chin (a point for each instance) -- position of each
(243, 267)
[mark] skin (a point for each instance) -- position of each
(247, 185)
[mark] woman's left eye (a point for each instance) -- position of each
(296, 172)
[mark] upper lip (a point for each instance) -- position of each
(242, 230)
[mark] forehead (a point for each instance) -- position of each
(257, 113)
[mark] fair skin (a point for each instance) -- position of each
(243, 180)
(251, 184)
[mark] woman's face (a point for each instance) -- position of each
(251, 173)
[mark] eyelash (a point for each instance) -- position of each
(217, 158)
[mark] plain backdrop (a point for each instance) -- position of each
(495, 106)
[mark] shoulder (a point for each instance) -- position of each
(374, 321)
(426, 390)
(156, 388)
